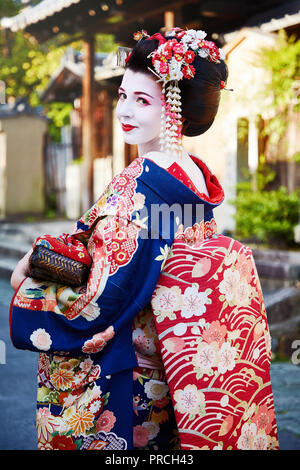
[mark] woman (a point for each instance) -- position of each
(172, 316)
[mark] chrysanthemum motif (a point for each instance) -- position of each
(62, 379)
(81, 421)
(46, 424)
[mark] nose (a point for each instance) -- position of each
(125, 109)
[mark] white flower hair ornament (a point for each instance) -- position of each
(172, 61)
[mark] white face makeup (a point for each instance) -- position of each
(139, 110)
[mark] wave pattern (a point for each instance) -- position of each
(212, 326)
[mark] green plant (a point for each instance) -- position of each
(266, 216)
(282, 62)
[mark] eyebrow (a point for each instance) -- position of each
(137, 92)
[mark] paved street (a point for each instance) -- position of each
(17, 386)
(18, 392)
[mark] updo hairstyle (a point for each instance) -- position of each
(200, 95)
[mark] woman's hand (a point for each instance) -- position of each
(21, 271)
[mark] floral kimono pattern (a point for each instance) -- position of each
(215, 343)
(166, 347)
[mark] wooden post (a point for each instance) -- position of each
(169, 20)
(88, 137)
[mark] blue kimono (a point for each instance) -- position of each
(93, 392)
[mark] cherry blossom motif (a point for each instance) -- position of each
(206, 356)
(94, 345)
(189, 57)
(189, 400)
(142, 343)
(242, 291)
(194, 302)
(264, 418)
(260, 442)
(244, 266)
(215, 332)
(188, 71)
(228, 285)
(98, 341)
(86, 365)
(247, 436)
(156, 389)
(166, 301)
(226, 358)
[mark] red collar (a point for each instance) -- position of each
(215, 190)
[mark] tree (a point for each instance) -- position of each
(27, 66)
(281, 97)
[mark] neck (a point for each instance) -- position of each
(151, 146)
(154, 146)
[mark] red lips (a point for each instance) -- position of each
(127, 127)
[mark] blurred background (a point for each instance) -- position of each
(61, 144)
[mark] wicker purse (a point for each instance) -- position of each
(50, 263)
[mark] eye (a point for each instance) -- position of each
(122, 95)
(143, 100)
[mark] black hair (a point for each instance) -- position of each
(200, 95)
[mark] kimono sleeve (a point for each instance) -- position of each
(49, 317)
